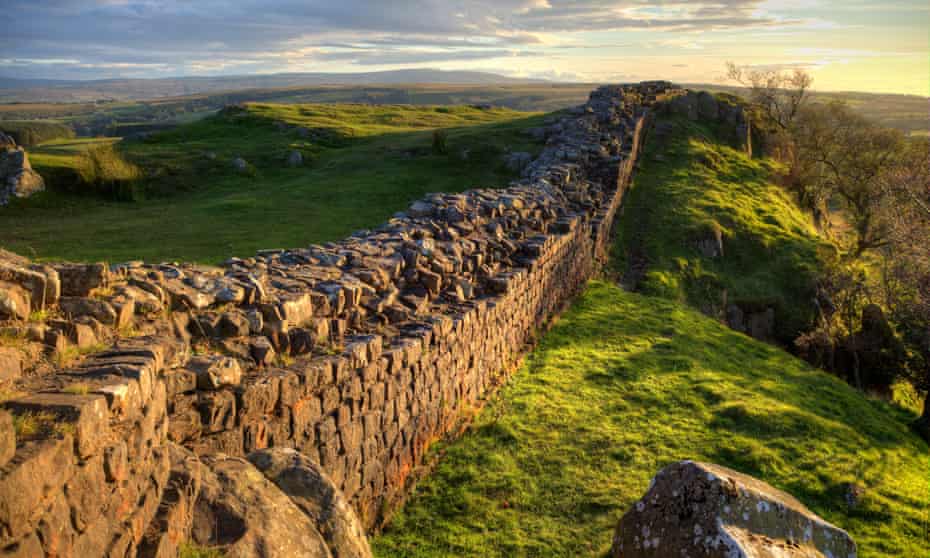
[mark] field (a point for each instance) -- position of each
(361, 164)
(625, 384)
(111, 111)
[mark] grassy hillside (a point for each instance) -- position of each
(692, 186)
(34, 132)
(361, 164)
(625, 384)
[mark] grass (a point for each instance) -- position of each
(40, 425)
(692, 185)
(362, 163)
(625, 384)
(192, 550)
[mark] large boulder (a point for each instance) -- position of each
(17, 179)
(699, 510)
(318, 496)
(244, 515)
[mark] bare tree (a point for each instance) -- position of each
(781, 95)
(846, 158)
(906, 263)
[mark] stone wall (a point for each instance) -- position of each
(358, 353)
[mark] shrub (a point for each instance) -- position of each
(104, 170)
(440, 146)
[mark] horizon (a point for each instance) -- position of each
(417, 69)
(861, 46)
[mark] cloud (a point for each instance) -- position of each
(222, 35)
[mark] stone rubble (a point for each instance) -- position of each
(17, 179)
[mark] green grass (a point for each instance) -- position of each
(625, 384)
(693, 184)
(366, 163)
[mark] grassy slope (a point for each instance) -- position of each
(697, 184)
(625, 384)
(372, 162)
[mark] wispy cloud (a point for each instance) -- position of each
(564, 39)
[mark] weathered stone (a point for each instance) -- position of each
(245, 515)
(15, 302)
(214, 372)
(314, 492)
(11, 363)
(100, 310)
(233, 324)
(86, 416)
(174, 521)
(703, 510)
(80, 280)
(17, 179)
(32, 281)
(262, 352)
(7, 438)
(30, 480)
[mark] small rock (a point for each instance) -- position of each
(214, 372)
(240, 165)
(295, 159)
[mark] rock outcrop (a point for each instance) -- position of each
(17, 179)
(317, 495)
(699, 510)
(244, 515)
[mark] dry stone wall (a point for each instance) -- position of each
(358, 353)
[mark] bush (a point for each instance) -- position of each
(104, 170)
(440, 146)
(28, 133)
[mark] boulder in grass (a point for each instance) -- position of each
(700, 510)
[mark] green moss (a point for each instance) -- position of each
(625, 384)
(192, 550)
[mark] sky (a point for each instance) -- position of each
(850, 45)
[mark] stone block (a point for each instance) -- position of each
(80, 280)
(214, 371)
(700, 509)
(86, 417)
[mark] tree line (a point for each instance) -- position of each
(868, 190)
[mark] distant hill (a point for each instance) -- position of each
(56, 91)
